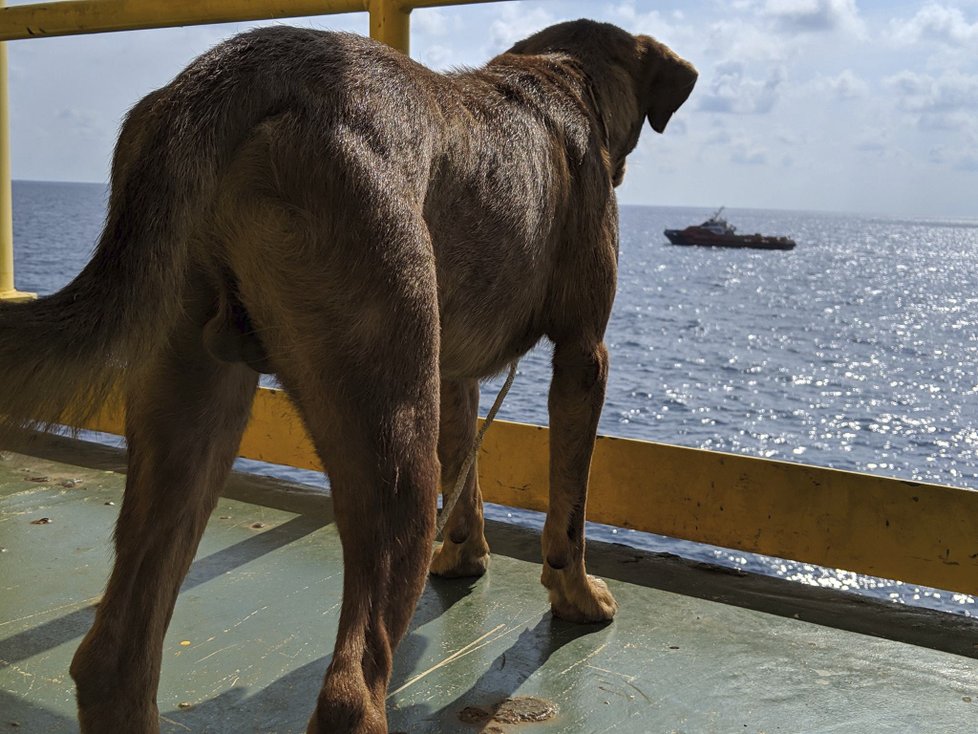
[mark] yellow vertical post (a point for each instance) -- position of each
(7, 290)
(390, 22)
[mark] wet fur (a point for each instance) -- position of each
(380, 237)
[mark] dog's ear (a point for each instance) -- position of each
(667, 81)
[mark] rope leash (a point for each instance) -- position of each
(449, 504)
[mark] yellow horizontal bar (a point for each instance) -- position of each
(72, 17)
(98, 16)
(919, 533)
(419, 4)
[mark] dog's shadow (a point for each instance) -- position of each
(284, 705)
(65, 628)
(439, 596)
(500, 680)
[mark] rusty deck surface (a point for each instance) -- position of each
(694, 649)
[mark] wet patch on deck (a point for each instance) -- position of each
(516, 710)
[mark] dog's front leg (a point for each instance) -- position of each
(580, 372)
(464, 551)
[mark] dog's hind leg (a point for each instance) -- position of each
(358, 353)
(183, 424)
(464, 550)
(580, 372)
(375, 426)
(384, 491)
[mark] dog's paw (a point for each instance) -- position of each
(585, 600)
(460, 560)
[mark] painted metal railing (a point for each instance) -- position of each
(7, 290)
(921, 533)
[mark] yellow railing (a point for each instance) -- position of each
(7, 290)
(925, 533)
(921, 533)
(388, 18)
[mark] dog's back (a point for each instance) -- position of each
(492, 156)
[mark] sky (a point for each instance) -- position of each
(866, 106)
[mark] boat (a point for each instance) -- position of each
(717, 232)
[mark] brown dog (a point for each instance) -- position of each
(380, 237)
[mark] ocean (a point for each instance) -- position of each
(857, 350)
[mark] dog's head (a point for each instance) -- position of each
(633, 78)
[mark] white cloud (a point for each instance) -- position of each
(924, 93)
(438, 56)
(844, 86)
(815, 16)
(871, 144)
(718, 136)
(433, 21)
(651, 23)
(909, 84)
(936, 23)
(940, 108)
(732, 91)
(875, 140)
(954, 158)
(745, 41)
(515, 24)
(722, 144)
(84, 123)
(944, 121)
(748, 154)
(677, 127)
(966, 162)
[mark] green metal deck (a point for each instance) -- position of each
(694, 649)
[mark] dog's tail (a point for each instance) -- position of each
(62, 355)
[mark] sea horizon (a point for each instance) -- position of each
(967, 220)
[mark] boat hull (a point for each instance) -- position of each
(695, 237)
